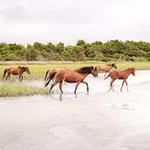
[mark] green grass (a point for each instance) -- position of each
(138, 65)
(38, 70)
(8, 89)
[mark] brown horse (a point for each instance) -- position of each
(16, 71)
(71, 76)
(107, 68)
(120, 75)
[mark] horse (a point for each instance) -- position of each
(107, 68)
(120, 75)
(16, 71)
(71, 76)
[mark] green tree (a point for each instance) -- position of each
(80, 43)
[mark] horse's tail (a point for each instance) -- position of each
(46, 75)
(107, 76)
(4, 73)
(51, 76)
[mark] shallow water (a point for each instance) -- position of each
(98, 120)
(97, 86)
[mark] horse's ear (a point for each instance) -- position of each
(114, 65)
(91, 67)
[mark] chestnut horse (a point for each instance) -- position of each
(16, 71)
(107, 68)
(120, 75)
(71, 76)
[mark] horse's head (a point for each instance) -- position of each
(24, 69)
(27, 70)
(132, 70)
(94, 71)
(114, 65)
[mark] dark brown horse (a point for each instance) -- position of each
(71, 76)
(16, 71)
(107, 68)
(120, 75)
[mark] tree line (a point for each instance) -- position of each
(96, 51)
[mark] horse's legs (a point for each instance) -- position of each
(20, 77)
(8, 76)
(76, 87)
(60, 87)
(111, 85)
(105, 74)
(122, 85)
(52, 86)
(127, 85)
(86, 85)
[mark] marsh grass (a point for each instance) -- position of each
(8, 89)
(38, 69)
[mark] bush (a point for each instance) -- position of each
(111, 50)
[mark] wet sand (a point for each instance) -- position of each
(95, 121)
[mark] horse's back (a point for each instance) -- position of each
(103, 67)
(119, 74)
(68, 75)
(67, 72)
(13, 70)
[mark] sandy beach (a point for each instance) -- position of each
(95, 121)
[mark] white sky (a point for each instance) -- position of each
(27, 21)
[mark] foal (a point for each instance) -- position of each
(70, 76)
(120, 75)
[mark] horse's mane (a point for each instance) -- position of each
(112, 64)
(130, 68)
(85, 70)
(22, 67)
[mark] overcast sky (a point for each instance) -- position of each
(26, 21)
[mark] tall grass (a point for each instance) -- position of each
(17, 89)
